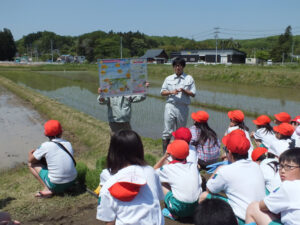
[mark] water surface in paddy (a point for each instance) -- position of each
(78, 90)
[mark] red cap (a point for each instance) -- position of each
(183, 133)
(283, 117)
(259, 151)
(236, 115)
(179, 149)
(285, 129)
(262, 120)
(52, 128)
(200, 116)
(296, 119)
(236, 142)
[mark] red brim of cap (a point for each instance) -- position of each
(193, 116)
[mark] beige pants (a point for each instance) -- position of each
(114, 126)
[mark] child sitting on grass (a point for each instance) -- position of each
(132, 194)
(269, 168)
(242, 180)
(283, 133)
(283, 203)
(181, 181)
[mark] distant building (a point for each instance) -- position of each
(156, 56)
(252, 61)
(209, 56)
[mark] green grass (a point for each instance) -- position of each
(90, 140)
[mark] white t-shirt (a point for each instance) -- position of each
(104, 176)
(230, 129)
(193, 155)
(242, 182)
(286, 201)
(184, 179)
(143, 209)
(279, 146)
(61, 168)
(272, 178)
(266, 137)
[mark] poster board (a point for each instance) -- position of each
(119, 77)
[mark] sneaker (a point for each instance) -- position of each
(166, 213)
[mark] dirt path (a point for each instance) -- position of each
(21, 130)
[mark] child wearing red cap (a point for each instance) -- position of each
(295, 123)
(185, 134)
(282, 206)
(242, 180)
(264, 134)
(282, 117)
(283, 133)
(269, 168)
(181, 181)
(204, 139)
(59, 173)
(237, 122)
(132, 193)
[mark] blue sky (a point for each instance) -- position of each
(239, 19)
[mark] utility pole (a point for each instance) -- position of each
(121, 48)
(292, 56)
(52, 51)
(216, 37)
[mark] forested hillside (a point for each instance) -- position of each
(99, 44)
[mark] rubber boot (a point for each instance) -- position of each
(165, 143)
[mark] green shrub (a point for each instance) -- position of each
(81, 172)
(150, 159)
(92, 179)
(101, 163)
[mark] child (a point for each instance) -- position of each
(264, 134)
(59, 173)
(184, 133)
(204, 139)
(6, 219)
(242, 181)
(181, 181)
(283, 133)
(132, 194)
(214, 212)
(284, 201)
(282, 117)
(237, 122)
(269, 168)
(295, 123)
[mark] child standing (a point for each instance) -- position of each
(204, 139)
(264, 134)
(181, 181)
(132, 194)
(237, 122)
(295, 123)
(285, 200)
(242, 180)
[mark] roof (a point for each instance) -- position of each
(152, 53)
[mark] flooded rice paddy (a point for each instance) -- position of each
(79, 90)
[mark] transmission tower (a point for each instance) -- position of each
(216, 32)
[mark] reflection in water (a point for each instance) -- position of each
(78, 90)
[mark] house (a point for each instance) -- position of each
(209, 56)
(156, 56)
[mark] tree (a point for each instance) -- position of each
(261, 54)
(7, 45)
(283, 47)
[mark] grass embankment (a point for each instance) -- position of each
(272, 76)
(90, 139)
